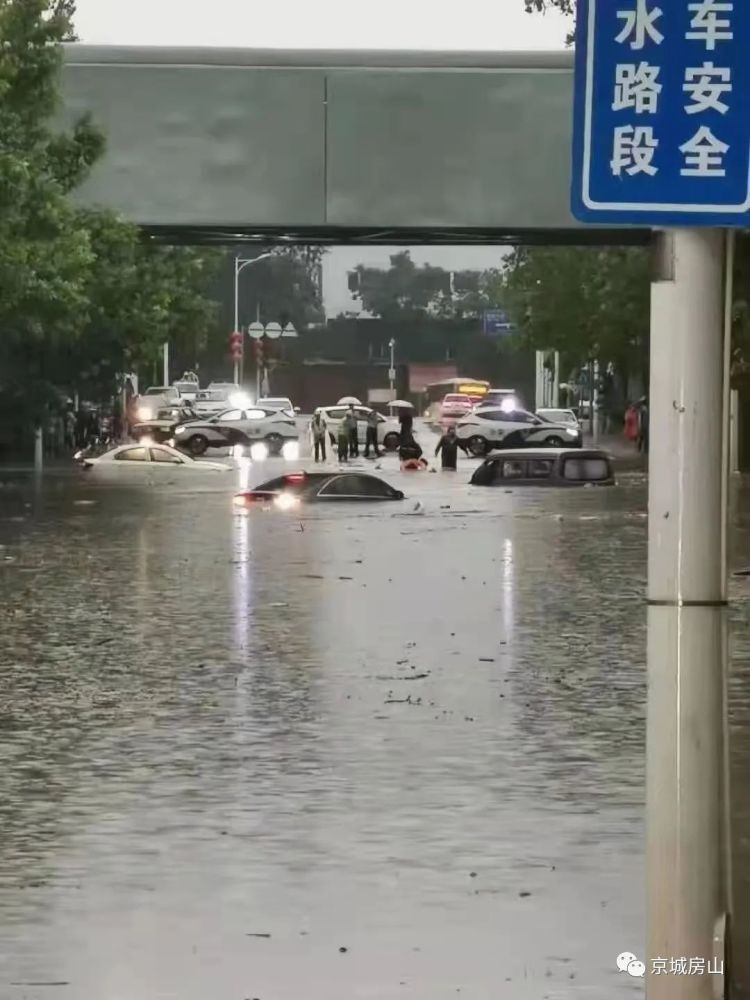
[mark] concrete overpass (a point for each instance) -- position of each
(221, 145)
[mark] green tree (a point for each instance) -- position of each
(44, 254)
(82, 296)
(586, 302)
(408, 292)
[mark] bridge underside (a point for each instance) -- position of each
(347, 236)
(227, 146)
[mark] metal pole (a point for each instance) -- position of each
(539, 394)
(595, 403)
(687, 859)
(727, 393)
(236, 311)
(166, 363)
(556, 383)
(392, 345)
(38, 448)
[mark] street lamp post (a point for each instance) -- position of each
(392, 370)
(239, 264)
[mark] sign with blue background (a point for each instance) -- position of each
(496, 322)
(662, 112)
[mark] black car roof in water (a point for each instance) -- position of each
(306, 480)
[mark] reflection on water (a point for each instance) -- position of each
(414, 736)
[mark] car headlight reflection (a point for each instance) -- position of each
(259, 452)
(286, 501)
(573, 433)
(179, 430)
(290, 451)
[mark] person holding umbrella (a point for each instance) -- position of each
(406, 421)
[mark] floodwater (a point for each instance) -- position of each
(369, 752)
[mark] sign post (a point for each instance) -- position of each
(662, 140)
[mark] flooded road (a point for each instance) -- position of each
(369, 752)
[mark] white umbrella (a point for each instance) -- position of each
(348, 401)
(401, 404)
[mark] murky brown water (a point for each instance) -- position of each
(235, 744)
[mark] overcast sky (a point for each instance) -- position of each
(310, 24)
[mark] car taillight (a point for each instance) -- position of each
(252, 496)
(295, 477)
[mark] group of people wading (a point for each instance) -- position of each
(410, 453)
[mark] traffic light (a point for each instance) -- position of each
(235, 346)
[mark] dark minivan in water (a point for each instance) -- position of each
(545, 467)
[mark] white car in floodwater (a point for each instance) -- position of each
(130, 459)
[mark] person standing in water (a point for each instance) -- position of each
(343, 439)
(447, 448)
(372, 434)
(350, 421)
(318, 431)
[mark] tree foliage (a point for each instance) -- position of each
(81, 294)
(586, 302)
(406, 291)
(283, 288)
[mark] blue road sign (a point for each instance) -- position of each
(496, 322)
(662, 112)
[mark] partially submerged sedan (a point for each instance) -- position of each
(545, 467)
(319, 487)
(130, 459)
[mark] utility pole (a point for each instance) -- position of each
(166, 363)
(687, 780)
(392, 369)
(687, 199)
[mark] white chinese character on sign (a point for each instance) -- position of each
(634, 150)
(639, 24)
(706, 85)
(697, 967)
(678, 966)
(706, 23)
(659, 967)
(704, 155)
(637, 87)
(715, 967)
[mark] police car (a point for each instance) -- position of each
(501, 427)
(246, 427)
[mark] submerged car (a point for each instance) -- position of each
(130, 459)
(247, 427)
(312, 487)
(500, 427)
(545, 467)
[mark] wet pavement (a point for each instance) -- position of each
(371, 752)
